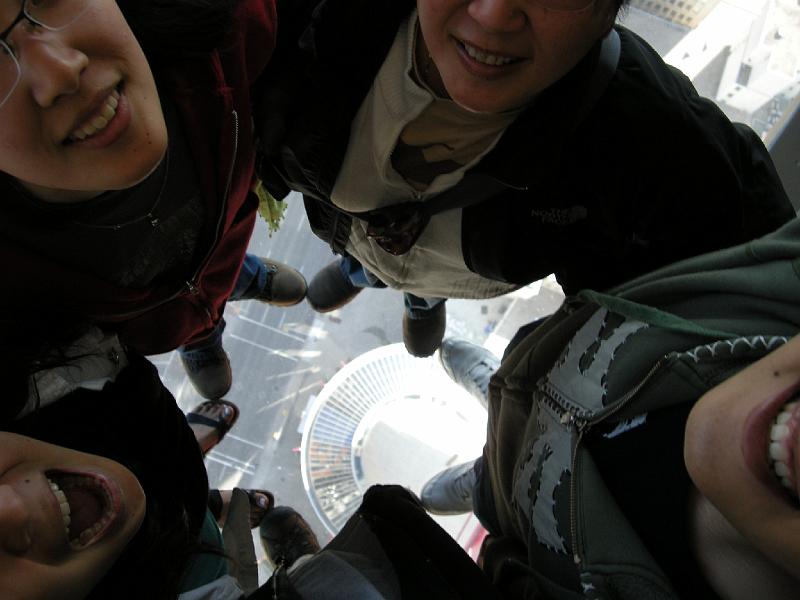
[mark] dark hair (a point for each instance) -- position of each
(178, 28)
(31, 342)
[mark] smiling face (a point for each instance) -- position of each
(735, 438)
(496, 55)
(85, 116)
(65, 517)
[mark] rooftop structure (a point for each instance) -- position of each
(387, 417)
(688, 13)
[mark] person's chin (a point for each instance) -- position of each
(476, 103)
(140, 171)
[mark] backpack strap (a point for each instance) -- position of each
(477, 187)
(651, 315)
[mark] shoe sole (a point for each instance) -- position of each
(327, 309)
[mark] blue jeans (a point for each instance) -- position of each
(416, 306)
(482, 498)
(253, 276)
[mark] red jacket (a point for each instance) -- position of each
(213, 98)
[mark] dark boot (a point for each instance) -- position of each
(286, 536)
(423, 336)
(330, 289)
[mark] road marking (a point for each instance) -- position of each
(231, 462)
(312, 369)
(280, 353)
(290, 396)
(244, 441)
(270, 328)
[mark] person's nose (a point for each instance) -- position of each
(498, 16)
(51, 67)
(15, 522)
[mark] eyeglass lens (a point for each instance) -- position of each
(53, 15)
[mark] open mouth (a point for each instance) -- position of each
(783, 438)
(98, 121)
(485, 57)
(88, 506)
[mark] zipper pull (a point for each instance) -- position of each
(192, 288)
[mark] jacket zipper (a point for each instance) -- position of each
(581, 424)
(190, 285)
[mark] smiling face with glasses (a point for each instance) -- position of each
(496, 55)
(79, 109)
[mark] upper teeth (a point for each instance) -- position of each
(62, 501)
(778, 447)
(99, 122)
(484, 57)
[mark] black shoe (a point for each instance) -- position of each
(423, 336)
(209, 370)
(469, 365)
(330, 289)
(286, 536)
(449, 492)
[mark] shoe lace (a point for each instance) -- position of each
(266, 291)
(295, 542)
(462, 483)
(481, 373)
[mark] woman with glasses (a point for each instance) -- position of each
(126, 167)
(463, 148)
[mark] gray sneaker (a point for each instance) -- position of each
(469, 365)
(449, 492)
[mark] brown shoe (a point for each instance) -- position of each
(423, 336)
(209, 370)
(330, 289)
(285, 285)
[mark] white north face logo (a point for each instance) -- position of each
(561, 216)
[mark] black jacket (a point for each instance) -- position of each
(652, 174)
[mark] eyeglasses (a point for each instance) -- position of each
(52, 15)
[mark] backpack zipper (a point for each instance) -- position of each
(580, 424)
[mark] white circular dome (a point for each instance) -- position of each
(385, 417)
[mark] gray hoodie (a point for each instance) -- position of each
(614, 360)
